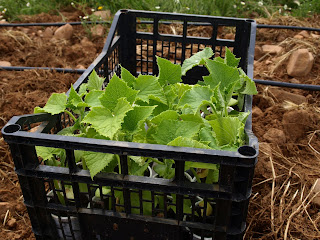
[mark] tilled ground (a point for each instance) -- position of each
(286, 122)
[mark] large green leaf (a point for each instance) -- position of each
(134, 117)
(220, 73)
(56, 104)
(250, 88)
(115, 90)
(92, 98)
(97, 161)
(196, 97)
(169, 130)
(231, 59)
(127, 77)
(168, 72)
(197, 59)
(95, 82)
(228, 130)
(104, 121)
(169, 114)
(149, 88)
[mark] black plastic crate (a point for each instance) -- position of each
(82, 216)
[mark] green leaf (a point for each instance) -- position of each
(196, 97)
(137, 169)
(206, 135)
(197, 59)
(250, 88)
(74, 100)
(83, 89)
(169, 130)
(149, 87)
(56, 104)
(228, 130)
(165, 170)
(134, 117)
(187, 142)
(213, 176)
(97, 161)
(127, 77)
(169, 114)
(220, 73)
(48, 153)
(115, 90)
(181, 88)
(104, 121)
(92, 98)
(231, 59)
(168, 72)
(95, 82)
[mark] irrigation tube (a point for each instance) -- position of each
(149, 22)
(51, 24)
(258, 81)
(65, 70)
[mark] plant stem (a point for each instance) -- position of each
(70, 114)
(195, 174)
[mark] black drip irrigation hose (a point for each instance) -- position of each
(309, 87)
(80, 71)
(52, 24)
(65, 70)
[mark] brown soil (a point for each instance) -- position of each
(280, 207)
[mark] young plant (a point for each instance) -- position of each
(158, 110)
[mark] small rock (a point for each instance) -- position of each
(274, 135)
(256, 112)
(304, 33)
(296, 124)
(258, 53)
(104, 15)
(5, 64)
(40, 33)
(12, 223)
(300, 63)
(263, 167)
(298, 36)
(316, 36)
(64, 32)
(282, 95)
(294, 80)
(79, 66)
(97, 30)
(316, 189)
(272, 49)
(48, 33)
(281, 38)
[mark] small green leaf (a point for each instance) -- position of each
(115, 90)
(95, 82)
(104, 121)
(187, 142)
(197, 59)
(97, 161)
(206, 135)
(168, 72)
(165, 170)
(127, 77)
(149, 87)
(134, 117)
(169, 114)
(92, 98)
(83, 89)
(48, 153)
(250, 88)
(169, 130)
(228, 131)
(74, 100)
(220, 73)
(56, 104)
(196, 97)
(137, 168)
(231, 59)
